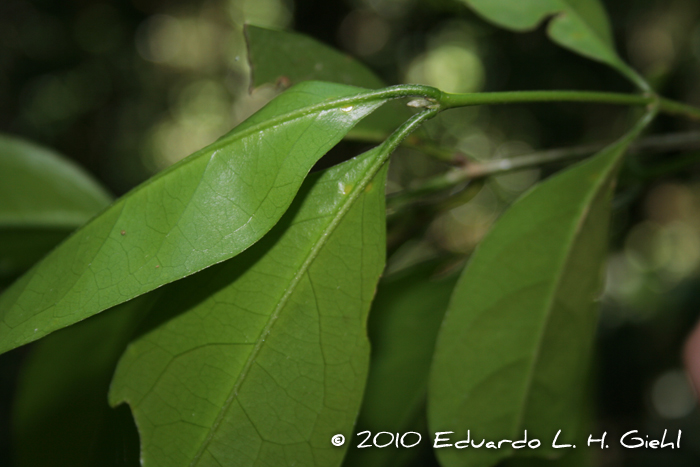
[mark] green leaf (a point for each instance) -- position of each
(578, 25)
(203, 210)
(403, 325)
(262, 359)
(43, 197)
(585, 419)
(61, 416)
(513, 351)
(289, 58)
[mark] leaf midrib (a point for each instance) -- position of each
(550, 305)
(281, 119)
(217, 145)
(325, 234)
(621, 146)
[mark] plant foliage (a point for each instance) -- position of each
(232, 290)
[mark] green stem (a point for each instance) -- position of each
(433, 98)
(395, 139)
(441, 153)
(635, 77)
(408, 127)
(450, 101)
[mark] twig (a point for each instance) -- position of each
(472, 170)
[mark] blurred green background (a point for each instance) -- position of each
(127, 88)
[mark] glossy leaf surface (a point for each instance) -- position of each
(515, 345)
(61, 414)
(578, 25)
(262, 359)
(288, 58)
(403, 325)
(205, 209)
(43, 197)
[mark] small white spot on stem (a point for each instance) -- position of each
(422, 102)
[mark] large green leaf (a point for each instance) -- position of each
(260, 360)
(61, 415)
(205, 209)
(43, 197)
(289, 58)
(513, 352)
(403, 325)
(579, 25)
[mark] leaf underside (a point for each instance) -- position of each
(262, 359)
(203, 210)
(514, 349)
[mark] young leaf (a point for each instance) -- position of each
(513, 349)
(290, 58)
(578, 25)
(203, 210)
(61, 416)
(43, 197)
(403, 325)
(262, 359)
